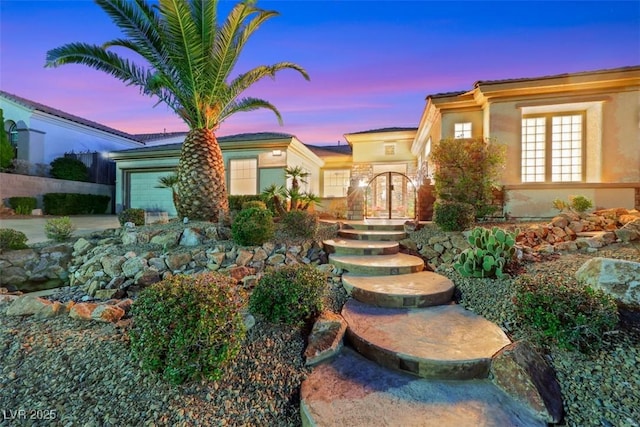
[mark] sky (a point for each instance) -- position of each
(371, 63)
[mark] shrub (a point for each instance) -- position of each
(12, 239)
(467, 171)
(254, 204)
(560, 310)
(290, 293)
(75, 204)
(300, 224)
(23, 205)
(236, 201)
(59, 229)
(453, 216)
(252, 227)
(490, 252)
(70, 169)
(577, 204)
(188, 327)
(133, 215)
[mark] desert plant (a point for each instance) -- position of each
(253, 226)
(578, 204)
(560, 310)
(70, 169)
(467, 171)
(300, 224)
(12, 239)
(170, 182)
(59, 229)
(188, 327)
(453, 216)
(23, 205)
(133, 215)
(289, 294)
(489, 254)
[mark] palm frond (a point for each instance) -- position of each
(248, 104)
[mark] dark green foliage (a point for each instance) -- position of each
(7, 154)
(300, 224)
(70, 169)
(581, 203)
(75, 204)
(489, 254)
(12, 239)
(560, 310)
(289, 294)
(453, 216)
(133, 215)
(467, 171)
(252, 227)
(59, 229)
(188, 327)
(23, 205)
(236, 202)
(254, 204)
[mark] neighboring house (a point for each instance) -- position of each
(568, 134)
(253, 162)
(41, 134)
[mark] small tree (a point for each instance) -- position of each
(467, 170)
(170, 181)
(7, 153)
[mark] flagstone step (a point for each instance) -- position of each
(379, 265)
(360, 247)
(352, 391)
(389, 235)
(380, 225)
(421, 289)
(443, 342)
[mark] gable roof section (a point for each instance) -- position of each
(36, 106)
(384, 130)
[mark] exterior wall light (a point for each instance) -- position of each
(276, 153)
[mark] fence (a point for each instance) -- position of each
(101, 170)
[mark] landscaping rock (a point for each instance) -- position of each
(325, 339)
(190, 237)
(107, 313)
(524, 374)
(82, 310)
(133, 266)
(27, 305)
(618, 278)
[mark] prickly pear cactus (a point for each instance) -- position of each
(490, 252)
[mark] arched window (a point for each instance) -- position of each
(11, 129)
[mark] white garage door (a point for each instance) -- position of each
(145, 195)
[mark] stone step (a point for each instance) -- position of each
(360, 247)
(380, 225)
(421, 289)
(443, 342)
(352, 391)
(390, 235)
(379, 265)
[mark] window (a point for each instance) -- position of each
(462, 130)
(336, 182)
(552, 148)
(243, 176)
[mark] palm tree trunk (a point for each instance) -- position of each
(201, 178)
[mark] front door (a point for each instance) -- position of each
(390, 195)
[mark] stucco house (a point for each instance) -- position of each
(568, 134)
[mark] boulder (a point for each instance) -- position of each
(325, 339)
(27, 305)
(107, 313)
(276, 259)
(133, 266)
(82, 246)
(244, 257)
(524, 374)
(82, 310)
(166, 239)
(112, 264)
(618, 278)
(190, 237)
(178, 260)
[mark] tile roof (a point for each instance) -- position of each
(59, 113)
(389, 129)
(328, 150)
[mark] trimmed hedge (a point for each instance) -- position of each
(236, 202)
(75, 204)
(23, 205)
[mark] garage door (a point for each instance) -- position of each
(145, 195)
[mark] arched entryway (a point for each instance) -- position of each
(390, 195)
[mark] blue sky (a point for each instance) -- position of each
(372, 63)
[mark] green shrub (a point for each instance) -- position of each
(188, 327)
(252, 227)
(254, 204)
(70, 169)
(453, 216)
(489, 254)
(577, 204)
(560, 310)
(7, 153)
(75, 204)
(59, 229)
(235, 202)
(12, 239)
(23, 205)
(133, 215)
(300, 223)
(290, 293)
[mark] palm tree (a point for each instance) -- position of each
(170, 181)
(189, 58)
(296, 173)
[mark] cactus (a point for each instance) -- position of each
(490, 251)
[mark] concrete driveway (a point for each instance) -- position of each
(33, 227)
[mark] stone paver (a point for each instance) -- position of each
(360, 247)
(372, 235)
(378, 265)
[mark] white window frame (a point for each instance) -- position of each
(336, 182)
(240, 179)
(462, 130)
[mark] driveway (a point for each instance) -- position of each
(33, 227)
